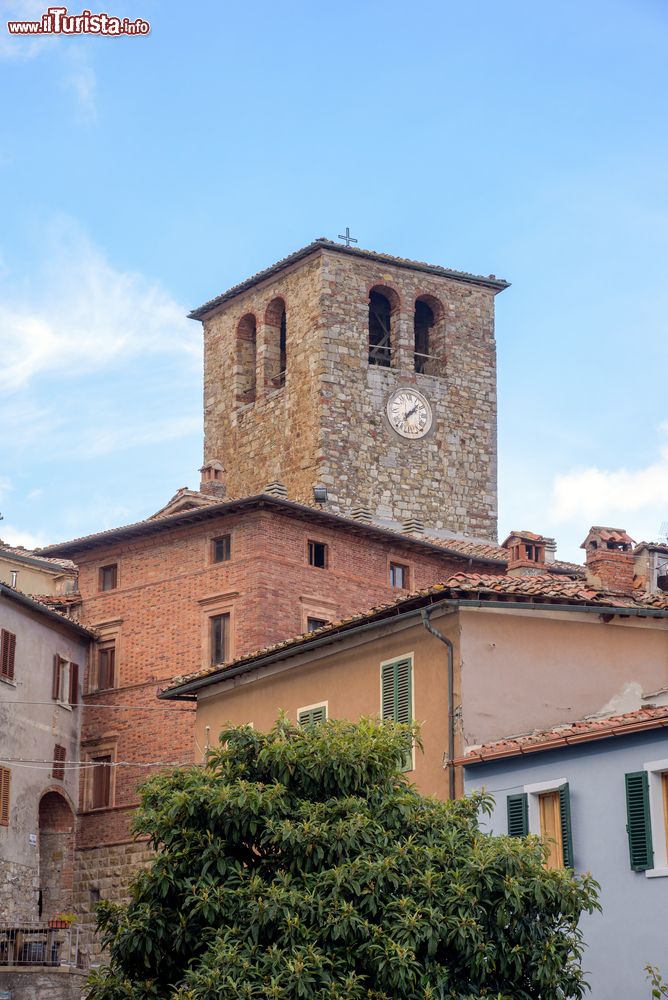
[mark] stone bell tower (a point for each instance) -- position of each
(369, 375)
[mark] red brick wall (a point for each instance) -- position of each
(162, 631)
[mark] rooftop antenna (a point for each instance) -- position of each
(347, 239)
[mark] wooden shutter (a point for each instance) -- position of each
(101, 782)
(5, 781)
(566, 832)
(396, 698)
(7, 654)
(106, 667)
(396, 695)
(55, 687)
(518, 814)
(309, 716)
(59, 755)
(638, 823)
(74, 683)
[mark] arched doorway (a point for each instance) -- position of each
(56, 855)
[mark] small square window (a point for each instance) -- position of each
(313, 623)
(109, 577)
(222, 548)
(317, 554)
(398, 576)
(220, 638)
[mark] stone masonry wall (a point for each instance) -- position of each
(44, 984)
(278, 435)
(328, 423)
(447, 479)
(103, 873)
(19, 885)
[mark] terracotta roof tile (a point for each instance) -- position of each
(586, 730)
(537, 590)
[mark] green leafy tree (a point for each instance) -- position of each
(301, 864)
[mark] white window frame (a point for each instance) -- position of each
(655, 769)
(534, 793)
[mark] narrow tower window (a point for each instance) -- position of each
(246, 358)
(275, 350)
(380, 335)
(422, 324)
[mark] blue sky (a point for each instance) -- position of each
(141, 176)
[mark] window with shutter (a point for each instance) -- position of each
(58, 771)
(7, 654)
(397, 697)
(312, 715)
(565, 821)
(5, 782)
(638, 823)
(101, 782)
(106, 667)
(74, 683)
(518, 815)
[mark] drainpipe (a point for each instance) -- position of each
(451, 696)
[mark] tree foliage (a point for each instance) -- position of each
(301, 864)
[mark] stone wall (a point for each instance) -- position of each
(328, 423)
(19, 886)
(38, 984)
(103, 873)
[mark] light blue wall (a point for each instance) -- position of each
(633, 928)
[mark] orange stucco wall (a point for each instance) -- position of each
(348, 679)
(515, 672)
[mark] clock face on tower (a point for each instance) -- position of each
(409, 413)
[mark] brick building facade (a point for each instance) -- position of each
(305, 366)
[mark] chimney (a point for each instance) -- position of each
(609, 559)
(211, 481)
(528, 553)
(651, 567)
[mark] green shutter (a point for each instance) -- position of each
(397, 699)
(638, 823)
(566, 832)
(518, 815)
(310, 716)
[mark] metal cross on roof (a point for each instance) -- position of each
(348, 239)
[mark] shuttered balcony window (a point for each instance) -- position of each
(59, 755)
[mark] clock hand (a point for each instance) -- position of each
(411, 412)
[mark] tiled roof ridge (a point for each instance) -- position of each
(564, 592)
(585, 730)
(21, 553)
(41, 604)
(322, 243)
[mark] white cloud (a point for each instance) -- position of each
(34, 494)
(15, 536)
(83, 82)
(103, 440)
(21, 47)
(616, 496)
(83, 314)
(5, 486)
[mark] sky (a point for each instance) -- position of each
(141, 176)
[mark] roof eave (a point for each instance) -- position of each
(28, 602)
(200, 312)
